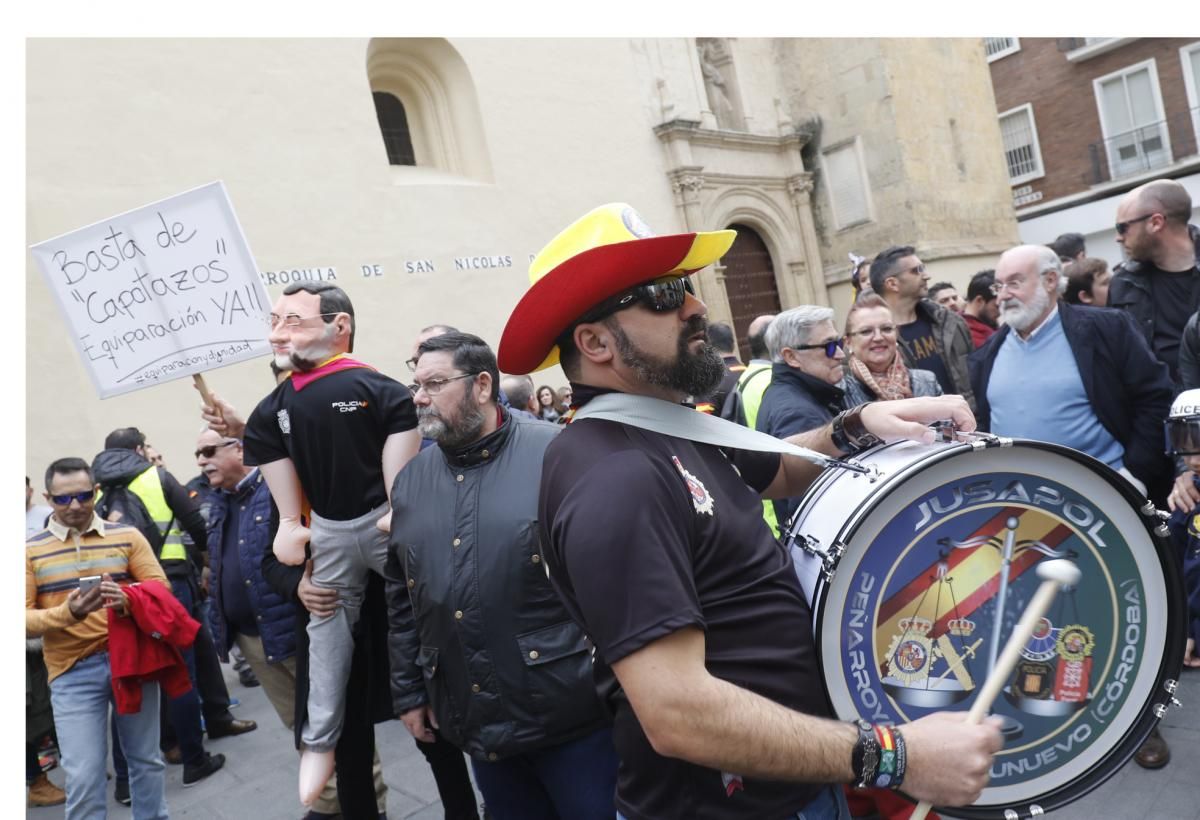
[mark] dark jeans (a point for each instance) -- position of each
(453, 783)
(32, 768)
(572, 781)
(214, 694)
(181, 714)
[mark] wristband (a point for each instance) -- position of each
(864, 760)
(901, 759)
(855, 431)
(837, 434)
(886, 774)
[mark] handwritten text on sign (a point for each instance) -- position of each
(159, 293)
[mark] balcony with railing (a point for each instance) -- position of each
(1148, 148)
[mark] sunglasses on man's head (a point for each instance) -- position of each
(660, 295)
(831, 348)
(82, 498)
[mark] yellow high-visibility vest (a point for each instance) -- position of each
(148, 487)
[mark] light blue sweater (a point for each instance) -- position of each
(1035, 392)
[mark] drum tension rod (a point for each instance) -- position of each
(829, 558)
(854, 466)
(1160, 710)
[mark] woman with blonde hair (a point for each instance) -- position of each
(874, 369)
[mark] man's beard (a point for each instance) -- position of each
(696, 374)
(463, 431)
(1022, 317)
(304, 359)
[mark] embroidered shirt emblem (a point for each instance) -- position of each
(285, 422)
(702, 500)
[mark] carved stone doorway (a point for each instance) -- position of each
(749, 283)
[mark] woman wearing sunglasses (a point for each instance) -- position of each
(874, 370)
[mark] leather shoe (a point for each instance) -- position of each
(174, 756)
(193, 773)
(230, 727)
(44, 793)
(1154, 753)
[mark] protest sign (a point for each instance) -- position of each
(159, 293)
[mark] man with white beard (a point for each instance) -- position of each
(1075, 375)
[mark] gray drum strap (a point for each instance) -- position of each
(660, 416)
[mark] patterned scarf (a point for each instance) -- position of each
(893, 383)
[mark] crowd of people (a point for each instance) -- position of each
(624, 637)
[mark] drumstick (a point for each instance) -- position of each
(1054, 574)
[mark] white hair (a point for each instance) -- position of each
(791, 328)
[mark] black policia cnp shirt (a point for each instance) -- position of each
(645, 534)
(333, 431)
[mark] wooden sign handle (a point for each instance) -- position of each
(202, 386)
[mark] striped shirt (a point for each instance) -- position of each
(55, 559)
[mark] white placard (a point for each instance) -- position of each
(159, 293)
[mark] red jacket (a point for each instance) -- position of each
(145, 646)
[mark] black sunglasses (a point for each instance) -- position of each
(830, 348)
(82, 498)
(660, 295)
(1122, 227)
(211, 450)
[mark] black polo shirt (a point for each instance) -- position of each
(333, 431)
(646, 534)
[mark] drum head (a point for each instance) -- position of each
(908, 624)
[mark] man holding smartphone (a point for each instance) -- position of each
(65, 605)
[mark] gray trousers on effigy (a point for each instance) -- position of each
(343, 552)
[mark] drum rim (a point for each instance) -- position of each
(1175, 639)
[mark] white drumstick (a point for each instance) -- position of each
(1055, 575)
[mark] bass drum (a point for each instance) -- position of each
(918, 570)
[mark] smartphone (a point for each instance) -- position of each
(87, 583)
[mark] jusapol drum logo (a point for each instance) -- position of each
(939, 590)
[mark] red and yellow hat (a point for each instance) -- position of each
(604, 252)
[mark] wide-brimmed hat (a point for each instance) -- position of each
(604, 252)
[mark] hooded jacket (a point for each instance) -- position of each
(118, 466)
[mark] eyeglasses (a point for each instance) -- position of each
(82, 498)
(660, 295)
(211, 450)
(1122, 227)
(868, 332)
(292, 319)
(1013, 284)
(434, 386)
(412, 364)
(831, 348)
(919, 270)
